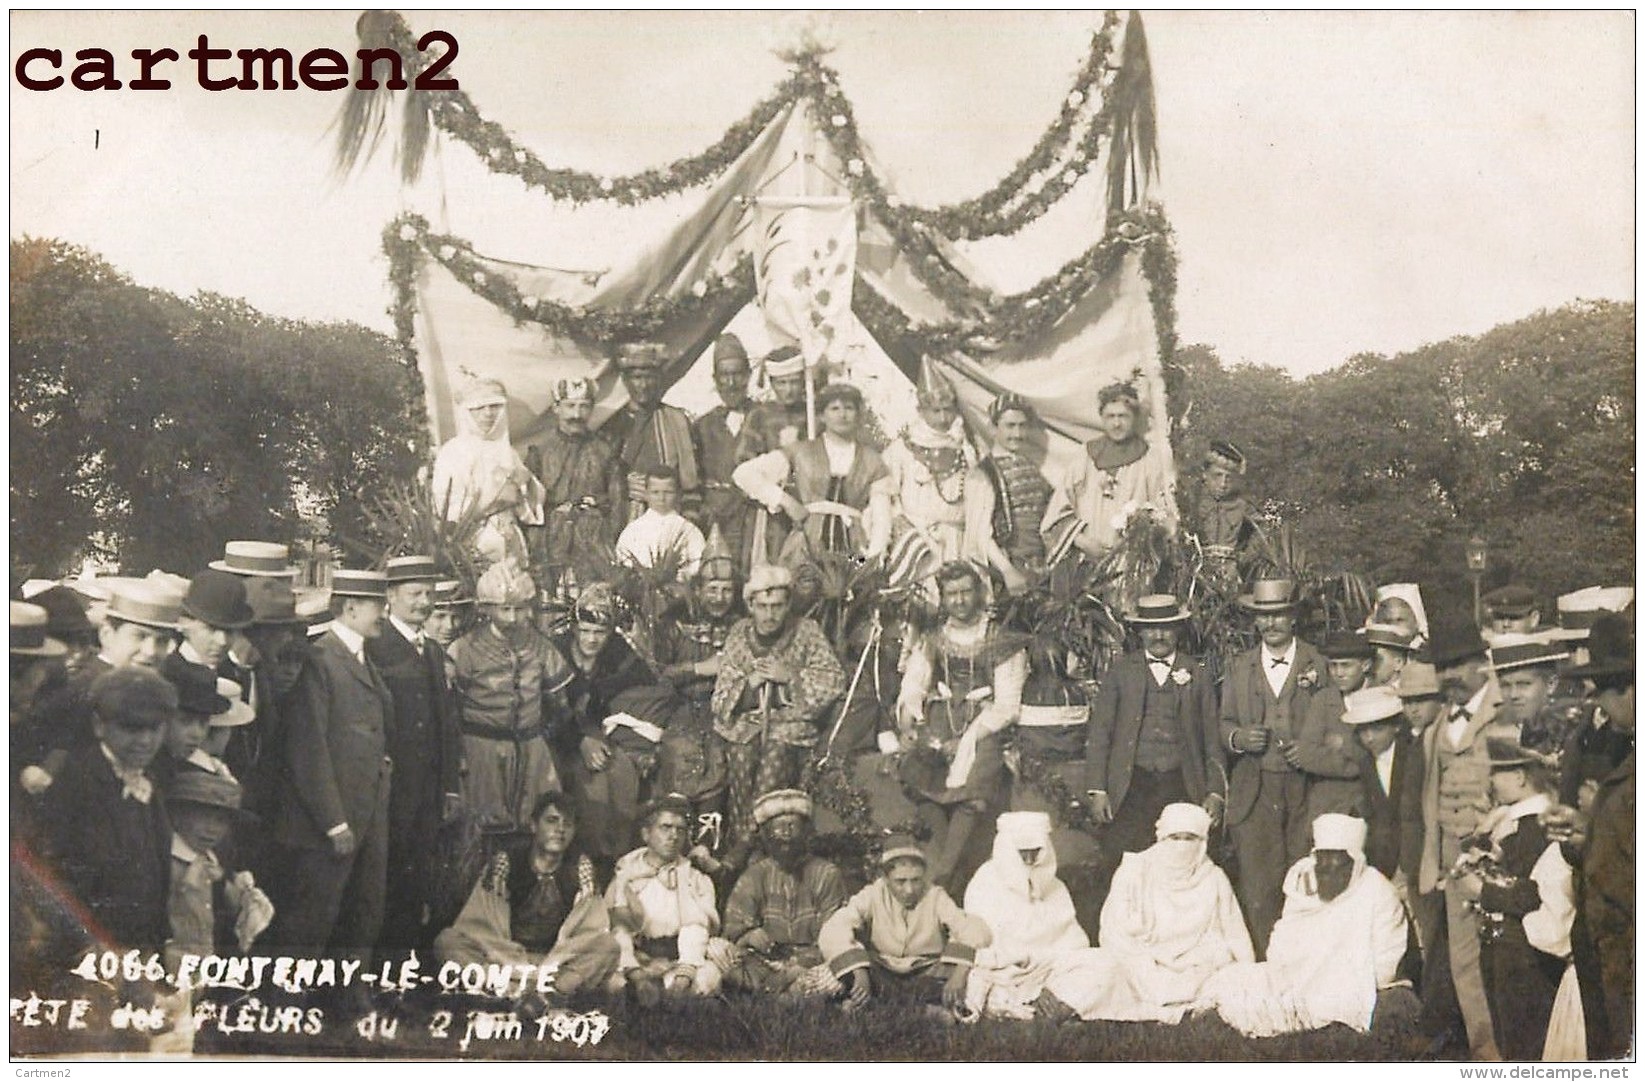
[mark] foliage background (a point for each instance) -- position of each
(157, 427)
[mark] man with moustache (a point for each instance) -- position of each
(1455, 798)
(587, 495)
(424, 743)
(648, 433)
(718, 432)
(334, 817)
(1266, 695)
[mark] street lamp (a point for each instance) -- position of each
(1477, 553)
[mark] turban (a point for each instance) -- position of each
(1345, 832)
(781, 802)
(1183, 819)
(784, 361)
(1006, 402)
(597, 604)
(1025, 830)
(504, 584)
(579, 388)
(767, 577)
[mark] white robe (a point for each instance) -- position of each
(480, 472)
(1326, 960)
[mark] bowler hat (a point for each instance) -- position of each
(255, 558)
(346, 583)
(410, 569)
(1345, 645)
(65, 613)
(196, 685)
(1610, 648)
(1270, 595)
(219, 599)
(28, 632)
(1158, 609)
(1455, 642)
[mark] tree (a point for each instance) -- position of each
(154, 428)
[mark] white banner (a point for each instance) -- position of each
(804, 262)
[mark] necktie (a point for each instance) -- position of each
(1277, 662)
(135, 784)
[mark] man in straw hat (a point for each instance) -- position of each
(1390, 784)
(1455, 798)
(425, 744)
(510, 683)
(901, 938)
(1154, 738)
(587, 494)
(1526, 668)
(649, 433)
(334, 815)
(780, 902)
(1333, 954)
(1266, 694)
(718, 433)
(778, 675)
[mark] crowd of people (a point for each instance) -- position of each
(1434, 822)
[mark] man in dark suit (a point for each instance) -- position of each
(425, 745)
(1265, 698)
(104, 820)
(1390, 783)
(334, 813)
(1153, 736)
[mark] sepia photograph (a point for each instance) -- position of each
(1058, 536)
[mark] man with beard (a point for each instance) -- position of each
(718, 434)
(779, 904)
(777, 677)
(587, 496)
(773, 425)
(510, 682)
(334, 817)
(1455, 797)
(424, 743)
(1333, 952)
(1266, 694)
(648, 433)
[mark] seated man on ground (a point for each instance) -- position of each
(538, 902)
(902, 939)
(1334, 952)
(663, 912)
(779, 904)
(1170, 922)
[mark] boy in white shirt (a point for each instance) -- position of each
(662, 537)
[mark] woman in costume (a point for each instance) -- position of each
(928, 464)
(477, 472)
(1005, 498)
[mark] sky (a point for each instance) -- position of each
(1339, 182)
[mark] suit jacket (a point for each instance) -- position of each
(1473, 743)
(1329, 753)
(113, 853)
(1116, 726)
(1393, 843)
(424, 741)
(337, 726)
(1245, 697)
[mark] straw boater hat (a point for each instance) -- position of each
(28, 632)
(1270, 595)
(238, 713)
(253, 558)
(1579, 609)
(346, 583)
(781, 802)
(145, 603)
(1158, 609)
(1510, 652)
(445, 595)
(410, 569)
(1367, 706)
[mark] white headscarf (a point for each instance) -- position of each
(1411, 594)
(1174, 862)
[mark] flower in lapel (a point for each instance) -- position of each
(1309, 680)
(1181, 677)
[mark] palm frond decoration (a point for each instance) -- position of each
(1133, 149)
(403, 519)
(361, 122)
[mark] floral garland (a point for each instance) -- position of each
(1047, 173)
(408, 239)
(1035, 310)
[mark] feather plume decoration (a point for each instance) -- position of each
(361, 122)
